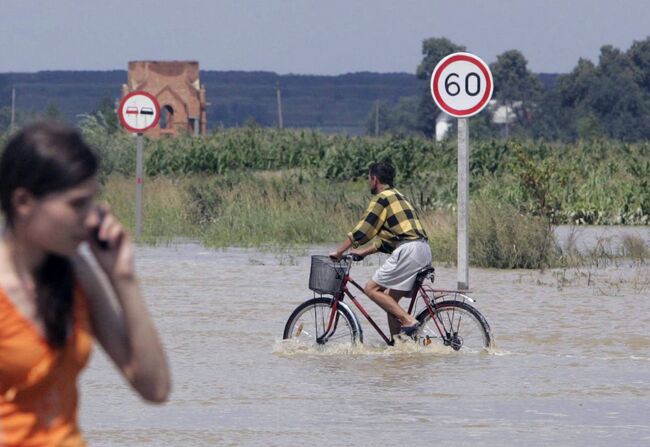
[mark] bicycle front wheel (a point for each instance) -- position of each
(309, 322)
(455, 324)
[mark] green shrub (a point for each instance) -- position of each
(502, 237)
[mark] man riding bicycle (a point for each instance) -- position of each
(392, 218)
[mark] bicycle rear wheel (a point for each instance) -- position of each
(308, 323)
(455, 324)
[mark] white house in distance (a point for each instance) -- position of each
(443, 123)
(501, 114)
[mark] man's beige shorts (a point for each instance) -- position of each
(401, 267)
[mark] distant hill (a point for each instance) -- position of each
(330, 103)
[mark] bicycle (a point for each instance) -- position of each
(447, 318)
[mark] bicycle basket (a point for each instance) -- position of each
(326, 276)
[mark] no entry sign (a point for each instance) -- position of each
(139, 111)
(461, 84)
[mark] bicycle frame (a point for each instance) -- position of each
(420, 292)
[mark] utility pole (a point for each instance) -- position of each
(507, 119)
(13, 109)
(279, 96)
(376, 118)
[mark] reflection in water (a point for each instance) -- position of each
(570, 365)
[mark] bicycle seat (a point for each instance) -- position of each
(424, 272)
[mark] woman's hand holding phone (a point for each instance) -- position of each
(112, 246)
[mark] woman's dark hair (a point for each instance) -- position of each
(384, 171)
(43, 158)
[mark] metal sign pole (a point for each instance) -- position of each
(462, 85)
(463, 204)
(138, 186)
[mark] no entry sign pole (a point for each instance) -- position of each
(461, 85)
(138, 184)
(139, 111)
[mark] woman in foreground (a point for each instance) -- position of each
(52, 300)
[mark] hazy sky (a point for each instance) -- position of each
(308, 36)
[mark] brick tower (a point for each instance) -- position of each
(176, 86)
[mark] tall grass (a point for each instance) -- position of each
(280, 209)
(276, 209)
(499, 235)
(503, 237)
(165, 215)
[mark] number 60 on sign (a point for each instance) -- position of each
(461, 84)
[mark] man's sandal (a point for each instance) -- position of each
(409, 331)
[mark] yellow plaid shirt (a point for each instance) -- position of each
(391, 218)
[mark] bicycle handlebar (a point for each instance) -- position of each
(353, 257)
(349, 257)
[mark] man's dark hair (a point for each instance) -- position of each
(384, 171)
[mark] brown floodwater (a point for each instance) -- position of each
(571, 364)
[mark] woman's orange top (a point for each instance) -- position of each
(38, 384)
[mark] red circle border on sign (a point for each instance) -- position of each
(155, 103)
(488, 91)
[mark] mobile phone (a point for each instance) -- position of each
(100, 242)
(103, 245)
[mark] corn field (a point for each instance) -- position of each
(589, 182)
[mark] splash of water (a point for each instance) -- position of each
(292, 347)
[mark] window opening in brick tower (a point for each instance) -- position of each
(167, 117)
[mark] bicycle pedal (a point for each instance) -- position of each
(401, 338)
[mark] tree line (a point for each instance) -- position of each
(607, 99)
(336, 104)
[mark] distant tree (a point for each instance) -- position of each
(639, 54)
(588, 127)
(514, 83)
(574, 87)
(433, 50)
(610, 99)
(251, 123)
(564, 106)
(617, 99)
(52, 112)
(606, 100)
(107, 115)
(554, 120)
(614, 63)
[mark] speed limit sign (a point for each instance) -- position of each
(461, 84)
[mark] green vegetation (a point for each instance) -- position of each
(590, 182)
(258, 187)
